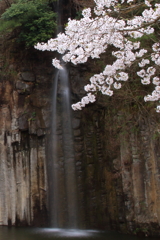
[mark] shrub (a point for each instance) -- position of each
(34, 20)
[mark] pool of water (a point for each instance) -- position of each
(62, 234)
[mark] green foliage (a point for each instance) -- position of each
(78, 15)
(34, 20)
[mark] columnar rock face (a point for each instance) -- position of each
(117, 153)
(117, 158)
(121, 174)
(23, 125)
(22, 160)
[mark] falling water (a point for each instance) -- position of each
(62, 175)
(68, 151)
(61, 169)
(53, 166)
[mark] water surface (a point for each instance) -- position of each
(61, 234)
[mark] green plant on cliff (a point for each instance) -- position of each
(31, 20)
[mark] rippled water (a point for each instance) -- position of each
(60, 234)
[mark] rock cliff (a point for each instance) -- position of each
(24, 117)
(117, 148)
(117, 154)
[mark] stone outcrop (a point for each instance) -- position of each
(117, 150)
(24, 111)
(117, 153)
(120, 172)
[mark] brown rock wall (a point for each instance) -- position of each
(117, 153)
(24, 122)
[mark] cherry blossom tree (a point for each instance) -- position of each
(109, 24)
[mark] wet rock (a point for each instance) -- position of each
(28, 76)
(32, 126)
(23, 86)
(76, 123)
(41, 132)
(39, 99)
(77, 133)
(23, 122)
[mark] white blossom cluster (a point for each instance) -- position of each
(89, 37)
(155, 56)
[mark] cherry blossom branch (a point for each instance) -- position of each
(90, 37)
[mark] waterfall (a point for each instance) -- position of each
(61, 168)
(68, 150)
(62, 175)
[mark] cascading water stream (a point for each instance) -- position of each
(53, 189)
(61, 170)
(68, 151)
